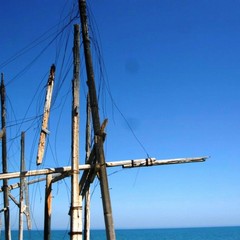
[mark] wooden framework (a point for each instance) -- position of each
(95, 163)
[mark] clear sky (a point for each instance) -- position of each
(171, 67)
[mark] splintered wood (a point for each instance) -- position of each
(44, 130)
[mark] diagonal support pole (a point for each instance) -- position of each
(46, 113)
(100, 157)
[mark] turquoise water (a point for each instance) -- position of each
(217, 233)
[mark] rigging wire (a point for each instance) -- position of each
(62, 78)
(97, 183)
(9, 140)
(34, 43)
(38, 116)
(37, 119)
(107, 85)
(63, 100)
(20, 123)
(101, 88)
(26, 68)
(71, 15)
(52, 153)
(58, 122)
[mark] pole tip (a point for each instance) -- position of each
(52, 70)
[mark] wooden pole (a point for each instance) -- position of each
(87, 216)
(48, 208)
(17, 185)
(76, 201)
(45, 171)
(124, 163)
(46, 113)
(88, 151)
(21, 200)
(4, 162)
(27, 208)
(107, 209)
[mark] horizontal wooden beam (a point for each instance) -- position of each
(153, 162)
(126, 163)
(56, 177)
(17, 185)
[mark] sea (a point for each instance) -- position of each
(206, 233)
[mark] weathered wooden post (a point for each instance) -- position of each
(76, 200)
(48, 208)
(21, 197)
(99, 151)
(88, 151)
(46, 113)
(4, 162)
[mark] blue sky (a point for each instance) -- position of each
(172, 68)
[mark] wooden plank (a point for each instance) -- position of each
(46, 113)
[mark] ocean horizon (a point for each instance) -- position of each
(191, 233)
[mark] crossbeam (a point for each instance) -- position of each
(56, 177)
(125, 163)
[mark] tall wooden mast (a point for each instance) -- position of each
(76, 201)
(98, 135)
(4, 162)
